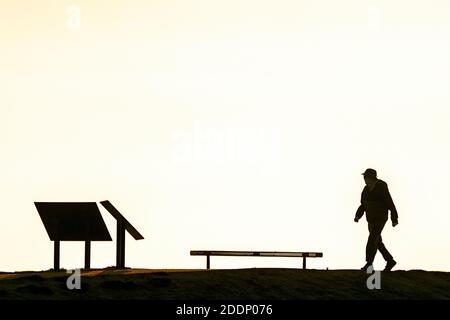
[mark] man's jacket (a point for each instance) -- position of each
(376, 204)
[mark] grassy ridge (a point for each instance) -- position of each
(257, 284)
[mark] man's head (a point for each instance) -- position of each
(370, 176)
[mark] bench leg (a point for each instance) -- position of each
(208, 263)
(304, 263)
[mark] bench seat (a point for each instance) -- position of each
(209, 253)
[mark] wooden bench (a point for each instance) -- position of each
(209, 253)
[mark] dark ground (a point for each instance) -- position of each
(236, 284)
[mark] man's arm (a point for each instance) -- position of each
(360, 211)
(390, 204)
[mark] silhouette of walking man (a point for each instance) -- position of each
(375, 202)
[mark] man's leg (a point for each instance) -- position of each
(373, 241)
(384, 252)
(390, 262)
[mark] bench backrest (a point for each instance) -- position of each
(255, 253)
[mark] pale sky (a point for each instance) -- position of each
(226, 125)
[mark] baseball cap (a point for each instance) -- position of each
(370, 173)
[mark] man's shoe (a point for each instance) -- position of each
(389, 265)
(366, 266)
